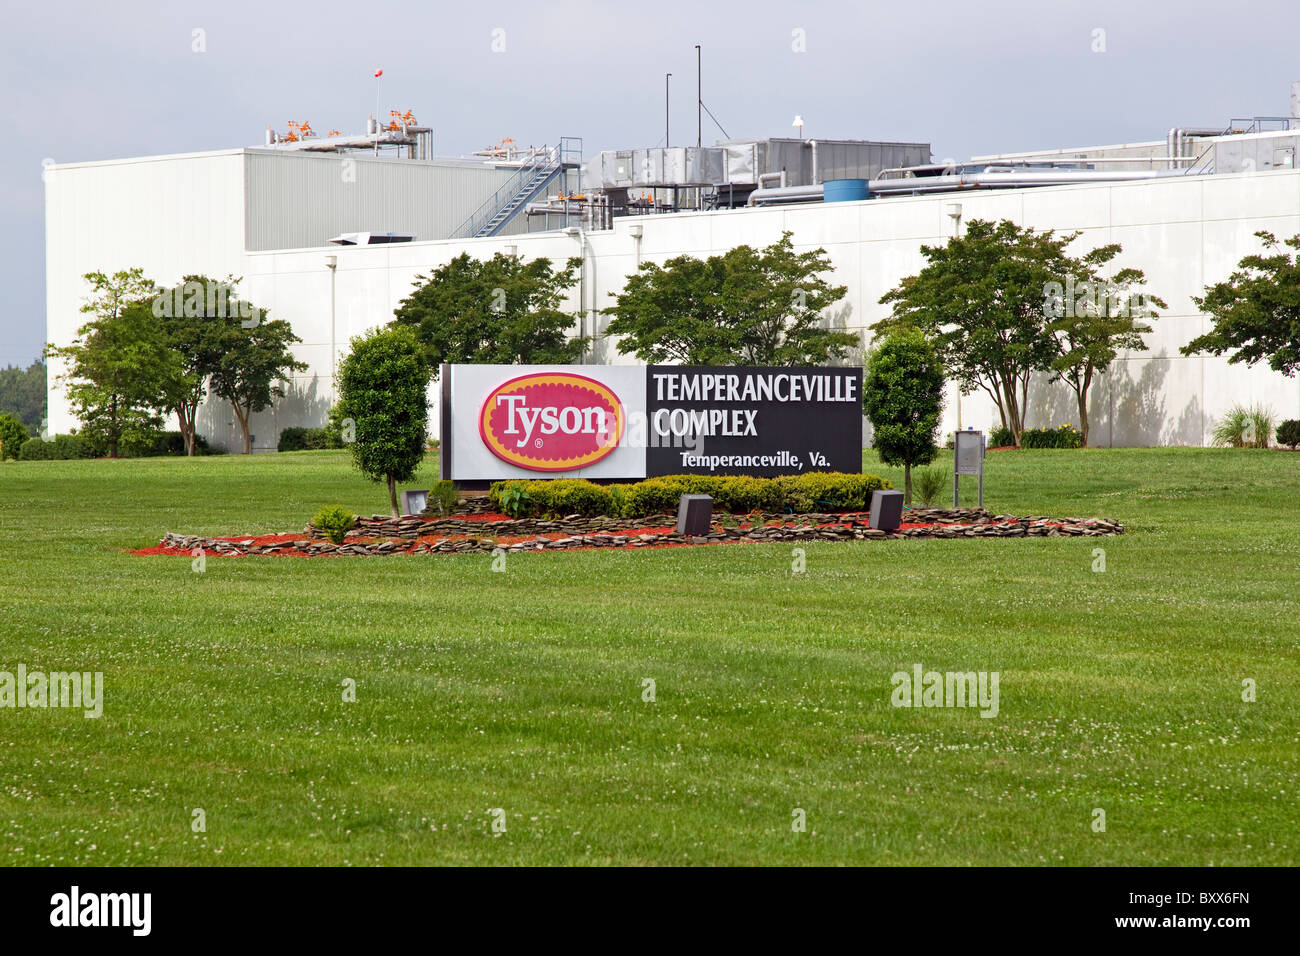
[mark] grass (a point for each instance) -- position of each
(523, 690)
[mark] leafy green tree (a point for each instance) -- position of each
(202, 319)
(902, 395)
(23, 392)
(497, 311)
(254, 364)
(745, 307)
(13, 434)
(1093, 319)
(1256, 311)
(120, 371)
(980, 300)
(382, 388)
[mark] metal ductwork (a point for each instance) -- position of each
(992, 177)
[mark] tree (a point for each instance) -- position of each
(382, 385)
(500, 311)
(902, 395)
(745, 307)
(253, 364)
(120, 370)
(1256, 311)
(1092, 319)
(23, 393)
(980, 301)
(197, 319)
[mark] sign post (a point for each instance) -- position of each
(968, 459)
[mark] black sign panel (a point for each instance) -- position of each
(752, 420)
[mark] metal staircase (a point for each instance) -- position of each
(538, 172)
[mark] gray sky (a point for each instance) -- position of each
(87, 81)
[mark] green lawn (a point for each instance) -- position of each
(522, 690)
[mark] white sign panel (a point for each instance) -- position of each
(545, 421)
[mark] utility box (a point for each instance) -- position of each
(414, 502)
(886, 510)
(694, 515)
(968, 459)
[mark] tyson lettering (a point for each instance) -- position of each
(551, 421)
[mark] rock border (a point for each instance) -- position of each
(401, 536)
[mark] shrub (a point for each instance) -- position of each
(1244, 427)
(160, 444)
(511, 498)
(1067, 436)
(831, 491)
(13, 435)
(1000, 437)
(1288, 433)
(442, 498)
(563, 496)
(1261, 425)
(59, 448)
(736, 494)
(930, 483)
(334, 522)
(296, 438)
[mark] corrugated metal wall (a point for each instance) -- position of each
(296, 200)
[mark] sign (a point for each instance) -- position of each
(968, 459)
(753, 420)
(551, 421)
(628, 422)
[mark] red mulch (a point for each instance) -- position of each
(505, 540)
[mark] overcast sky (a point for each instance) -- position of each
(88, 81)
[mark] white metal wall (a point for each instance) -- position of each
(297, 199)
(1183, 232)
(185, 215)
(170, 215)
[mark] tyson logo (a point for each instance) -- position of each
(551, 421)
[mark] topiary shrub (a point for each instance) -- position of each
(1288, 433)
(334, 521)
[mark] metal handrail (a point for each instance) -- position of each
(511, 187)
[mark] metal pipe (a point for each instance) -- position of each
(784, 194)
(813, 144)
(1017, 179)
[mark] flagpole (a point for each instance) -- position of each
(378, 79)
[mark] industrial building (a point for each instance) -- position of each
(330, 232)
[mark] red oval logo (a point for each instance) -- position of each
(551, 421)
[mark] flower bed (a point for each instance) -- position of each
(489, 533)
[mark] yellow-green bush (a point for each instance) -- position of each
(738, 494)
(830, 491)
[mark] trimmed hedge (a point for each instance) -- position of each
(737, 494)
(162, 445)
(1288, 433)
(59, 448)
(1067, 436)
(296, 438)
